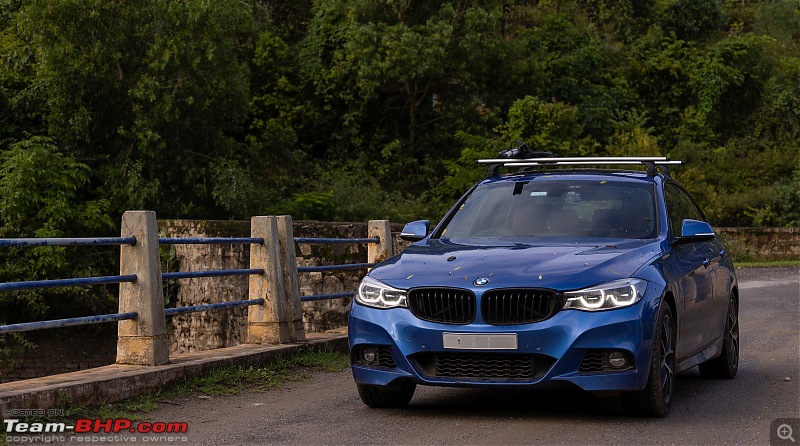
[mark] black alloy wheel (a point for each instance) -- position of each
(726, 365)
(655, 399)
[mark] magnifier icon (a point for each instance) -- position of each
(785, 432)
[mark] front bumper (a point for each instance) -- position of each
(557, 345)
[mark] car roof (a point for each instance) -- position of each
(576, 175)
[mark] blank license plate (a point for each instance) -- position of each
(471, 341)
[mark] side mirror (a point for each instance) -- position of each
(695, 231)
(415, 231)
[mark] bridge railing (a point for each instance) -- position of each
(285, 321)
(80, 281)
(377, 251)
(274, 302)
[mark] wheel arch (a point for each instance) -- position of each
(669, 299)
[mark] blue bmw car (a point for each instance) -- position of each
(553, 275)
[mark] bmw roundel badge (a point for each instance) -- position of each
(481, 281)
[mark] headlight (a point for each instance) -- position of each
(606, 296)
(373, 293)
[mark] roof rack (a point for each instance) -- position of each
(653, 163)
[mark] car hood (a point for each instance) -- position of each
(543, 264)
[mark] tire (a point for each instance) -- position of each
(655, 399)
(386, 397)
(726, 364)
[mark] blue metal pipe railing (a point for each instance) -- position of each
(206, 307)
(213, 273)
(336, 240)
(41, 284)
(352, 266)
(325, 296)
(316, 269)
(30, 326)
(26, 242)
(210, 241)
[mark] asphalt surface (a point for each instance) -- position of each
(326, 409)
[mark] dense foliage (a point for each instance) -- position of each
(349, 110)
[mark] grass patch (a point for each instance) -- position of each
(133, 409)
(767, 263)
(323, 361)
(234, 379)
(231, 380)
(225, 380)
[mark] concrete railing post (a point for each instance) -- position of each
(267, 323)
(291, 283)
(378, 252)
(143, 340)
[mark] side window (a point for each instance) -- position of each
(688, 206)
(679, 207)
(674, 208)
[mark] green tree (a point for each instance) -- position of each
(544, 126)
(42, 194)
(580, 70)
(21, 98)
(236, 107)
(149, 94)
(404, 76)
(632, 136)
(693, 19)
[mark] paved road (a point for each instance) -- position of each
(326, 409)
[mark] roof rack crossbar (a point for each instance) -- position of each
(653, 163)
(586, 163)
(574, 159)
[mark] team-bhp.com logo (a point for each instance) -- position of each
(86, 426)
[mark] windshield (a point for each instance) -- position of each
(547, 206)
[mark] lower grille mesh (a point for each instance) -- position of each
(385, 358)
(483, 365)
(595, 361)
(592, 362)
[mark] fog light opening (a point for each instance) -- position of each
(369, 354)
(617, 360)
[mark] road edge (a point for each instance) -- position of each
(116, 382)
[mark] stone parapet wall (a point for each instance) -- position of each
(62, 350)
(225, 328)
(208, 329)
(762, 244)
